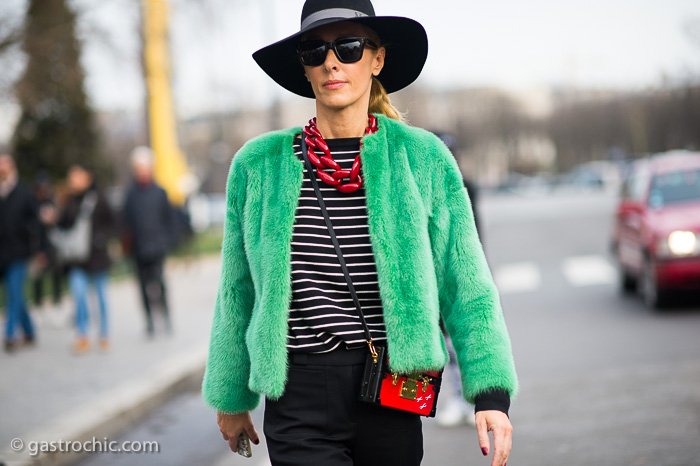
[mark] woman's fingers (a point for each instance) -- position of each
(249, 428)
(252, 433)
(233, 425)
(501, 446)
(498, 423)
(233, 444)
(483, 435)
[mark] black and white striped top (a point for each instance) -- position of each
(322, 314)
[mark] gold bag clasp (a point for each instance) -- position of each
(409, 389)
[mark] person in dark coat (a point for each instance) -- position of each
(19, 240)
(93, 270)
(150, 232)
(49, 264)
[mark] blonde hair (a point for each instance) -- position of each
(379, 101)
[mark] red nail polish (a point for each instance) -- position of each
(484, 451)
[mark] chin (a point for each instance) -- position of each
(337, 106)
(337, 102)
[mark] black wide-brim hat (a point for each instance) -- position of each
(405, 41)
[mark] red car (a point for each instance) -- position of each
(657, 227)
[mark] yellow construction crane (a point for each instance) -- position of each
(170, 169)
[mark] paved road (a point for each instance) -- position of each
(604, 381)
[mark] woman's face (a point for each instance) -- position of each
(79, 180)
(337, 85)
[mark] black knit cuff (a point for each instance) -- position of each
(495, 398)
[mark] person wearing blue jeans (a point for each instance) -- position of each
(16, 306)
(94, 268)
(79, 281)
(19, 240)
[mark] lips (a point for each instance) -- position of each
(333, 84)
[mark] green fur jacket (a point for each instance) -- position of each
(428, 256)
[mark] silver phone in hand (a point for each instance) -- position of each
(244, 445)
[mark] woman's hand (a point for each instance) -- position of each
(498, 423)
(231, 426)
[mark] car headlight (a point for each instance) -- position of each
(682, 243)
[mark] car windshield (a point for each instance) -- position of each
(671, 188)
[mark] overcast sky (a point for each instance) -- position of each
(506, 43)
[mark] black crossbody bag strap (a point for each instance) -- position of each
(314, 182)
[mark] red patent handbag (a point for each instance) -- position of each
(417, 392)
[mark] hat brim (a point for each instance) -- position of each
(406, 51)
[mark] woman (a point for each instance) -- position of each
(284, 325)
(85, 200)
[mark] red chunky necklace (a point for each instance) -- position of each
(315, 141)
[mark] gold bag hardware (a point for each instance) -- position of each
(409, 389)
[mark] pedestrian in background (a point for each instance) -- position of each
(151, 230)
(286, 322)
(86, 203)
(19, 241)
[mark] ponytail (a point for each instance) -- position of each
(379, 101)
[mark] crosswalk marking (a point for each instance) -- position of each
(578, 271)
(588, 270)
(517, 277)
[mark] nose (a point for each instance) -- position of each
(331, 62)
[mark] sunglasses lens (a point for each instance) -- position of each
(349, 50)
(312, 53)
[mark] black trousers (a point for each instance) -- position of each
(56, 274)
(320, 421)
(150, 274)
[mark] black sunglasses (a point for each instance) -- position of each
(347, 49)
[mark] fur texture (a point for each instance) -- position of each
(428, 255)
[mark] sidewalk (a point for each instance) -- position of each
(49, 394)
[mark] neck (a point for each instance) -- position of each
(346, 123)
